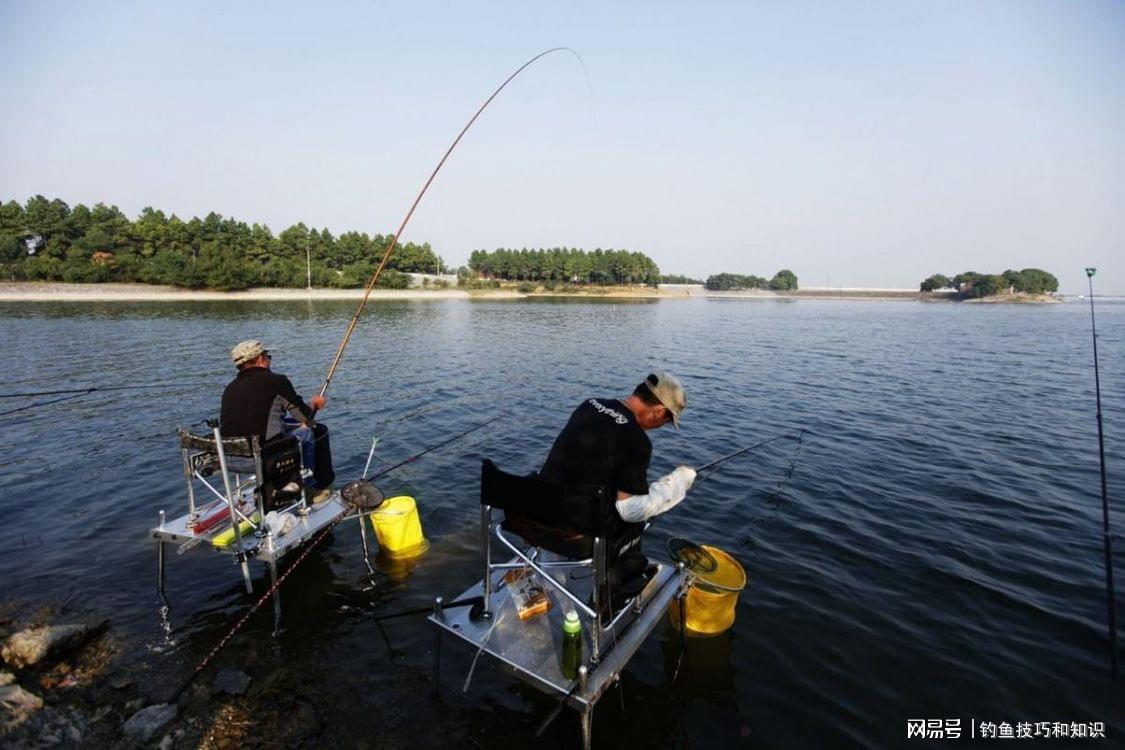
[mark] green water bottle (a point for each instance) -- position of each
(572, 645)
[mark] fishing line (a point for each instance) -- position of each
(395, 237)
(710, 466)
(774, 498)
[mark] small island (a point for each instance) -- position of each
(1033, 285)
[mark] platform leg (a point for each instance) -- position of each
(586, 719)
(160, 568)
(363, 535)
(437, 647)
(246, 574)
(276, 598)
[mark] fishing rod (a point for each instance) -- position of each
(71, 393)
(475, 602)
(42, 403)
(1107, 537)
(416, 456)
(733, 454)
(414, 205)
(93, 389)
(313, 544)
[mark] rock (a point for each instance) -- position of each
(232, 681)
(33, 645)
(17, 705)
(49, 727)
(134, 705)
(167, 742)
(120, 682)
(143, 725)
(6, 678)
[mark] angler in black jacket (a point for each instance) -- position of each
(262, 403)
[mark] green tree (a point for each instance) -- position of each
(935, 282)
(784, 280)
(12, 247)
(1036, 281)
(46, 225)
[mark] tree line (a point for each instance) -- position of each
(567, 265)
(679, 278)
(783, 280)
(973, 284)
(50, 241)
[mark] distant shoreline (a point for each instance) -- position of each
(34, 291)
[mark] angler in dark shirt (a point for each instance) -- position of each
(262, 403)
(604, 443)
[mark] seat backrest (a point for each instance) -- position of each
(241, 447)
(281, 465)
(586, 509)
(280, 461)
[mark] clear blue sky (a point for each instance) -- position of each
(865, 144)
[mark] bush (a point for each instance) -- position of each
(391, 279)
(84, 272)
(525, 287)
(734, 282)
(441, 284)
(43, 268)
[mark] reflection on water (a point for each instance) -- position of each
(936, 553)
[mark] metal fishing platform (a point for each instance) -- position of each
(531, 648)
(243, 482)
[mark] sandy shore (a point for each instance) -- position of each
(58, 292)
(33, 291)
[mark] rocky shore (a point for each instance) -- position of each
(60, 687)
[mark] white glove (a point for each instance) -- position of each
(663, 495)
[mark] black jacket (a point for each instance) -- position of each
(256, 401)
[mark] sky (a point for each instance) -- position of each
(858, 144)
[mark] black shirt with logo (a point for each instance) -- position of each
(601, 444)
(255, 403)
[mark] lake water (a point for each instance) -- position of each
(936, 553)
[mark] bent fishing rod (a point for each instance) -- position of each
(800, 434)
(395, 237)
(1107, 536)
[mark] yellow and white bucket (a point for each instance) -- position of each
(398, 528)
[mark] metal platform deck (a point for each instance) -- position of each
(532, 648)
(269, 548)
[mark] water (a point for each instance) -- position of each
(936, 554)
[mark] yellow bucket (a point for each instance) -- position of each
(712, 597)
(398, 528)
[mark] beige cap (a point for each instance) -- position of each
(244, 351)
(668, 391)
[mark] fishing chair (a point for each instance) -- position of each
(580, 523)
(272, 470)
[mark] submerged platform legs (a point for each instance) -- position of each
(276, 597)
(586, 714)
(160, 559)
(437, 647)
